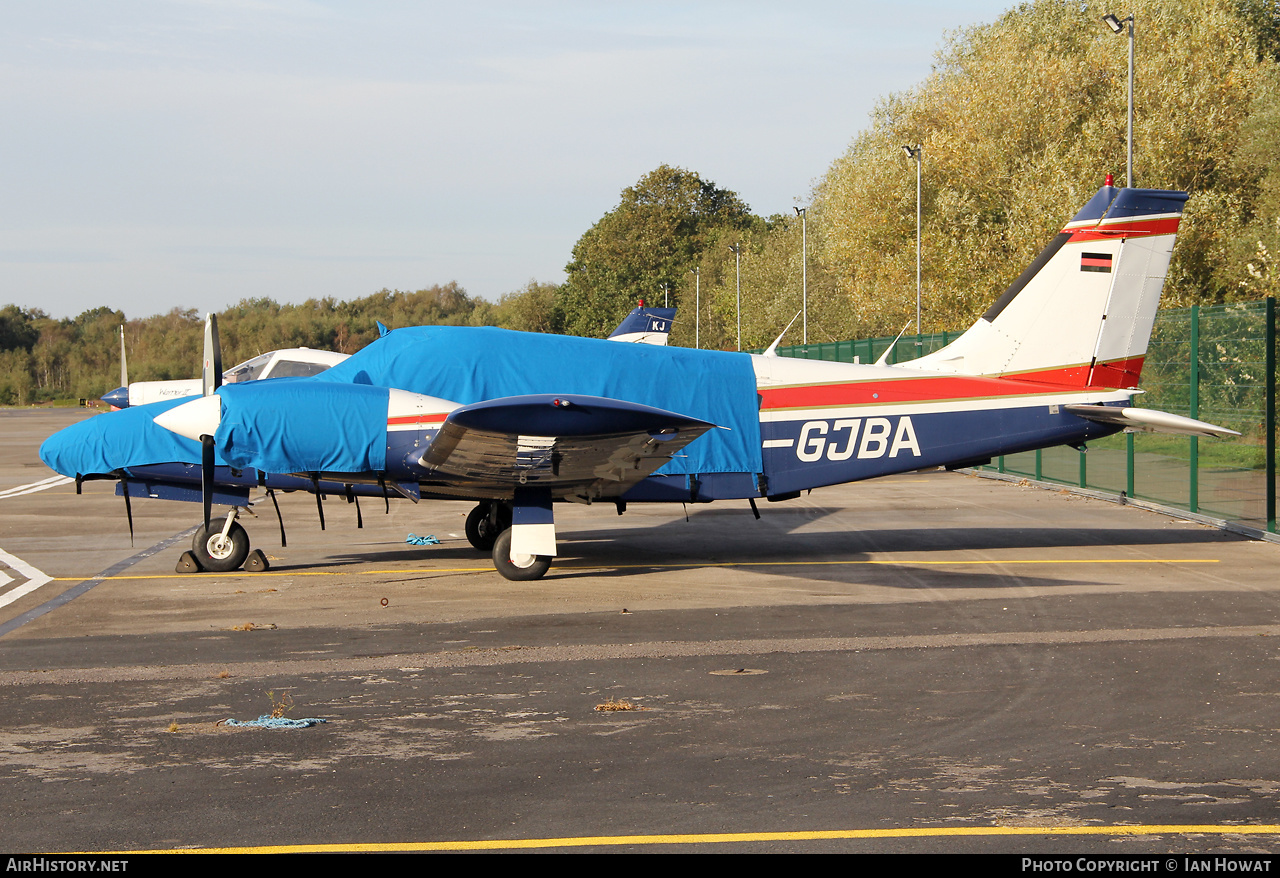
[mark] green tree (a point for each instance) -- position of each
(651, 239)
(1019, 122)
(535, 307)
(18, 329)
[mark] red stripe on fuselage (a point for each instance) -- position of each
(944, 388)
(401, 420)
(1114, 374)
(881, 392)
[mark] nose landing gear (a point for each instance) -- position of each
(221, 548)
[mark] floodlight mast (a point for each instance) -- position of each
(917, 152)
(736, 249)
(803, 213)
(697, 306)
(1117, 26)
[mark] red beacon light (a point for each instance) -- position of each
(560, 403)
(1110, 181)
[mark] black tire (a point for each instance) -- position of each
(220, 558)
(526, 568)
(480, 529)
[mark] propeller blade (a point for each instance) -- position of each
(128, 508)
(315, 481)
(272, 494)
(206, 475)
(212, 355)
(124, 364)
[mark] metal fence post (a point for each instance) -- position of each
(1193, 474)
(1270, 416)
(1128, 450)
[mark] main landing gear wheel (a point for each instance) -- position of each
(519, 568)
(481, 531)
(217, 553)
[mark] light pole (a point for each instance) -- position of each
(736, 249)
(697, 306)
(916, 152)
(803, 213)
(1117, 26)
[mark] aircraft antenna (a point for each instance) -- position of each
(772, 350)
(885, 356)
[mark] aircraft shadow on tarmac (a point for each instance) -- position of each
(678, 545)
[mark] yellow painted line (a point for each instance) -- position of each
(241, 574)
(723, 838)
(695, 564)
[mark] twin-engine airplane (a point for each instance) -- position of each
(518, 421)
(643, 325)
(287, 363)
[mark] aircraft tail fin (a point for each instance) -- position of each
(1081, 314)
(645, 325)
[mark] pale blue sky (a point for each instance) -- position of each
(191, 153)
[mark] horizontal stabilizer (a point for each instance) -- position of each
(1149, 421)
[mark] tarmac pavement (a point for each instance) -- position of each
(930, 662)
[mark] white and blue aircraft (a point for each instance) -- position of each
(286, 363)
(520, 421)
(642, 325)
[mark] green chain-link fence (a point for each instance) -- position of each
(908, 347)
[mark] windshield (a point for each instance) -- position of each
(247, 371)
(294, 369)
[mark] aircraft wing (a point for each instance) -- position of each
(570, 443)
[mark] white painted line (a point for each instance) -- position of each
(35, 486)
(779, 443)
(76, 591)
(20, 488)
(34, 577)
(52, 478)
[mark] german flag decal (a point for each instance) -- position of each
(1095, 262)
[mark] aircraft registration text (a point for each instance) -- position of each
(867, 437)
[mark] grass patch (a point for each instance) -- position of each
(611, 705)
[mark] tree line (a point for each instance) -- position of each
(42, 358)
(1017, 124)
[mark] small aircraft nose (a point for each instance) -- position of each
(194, 419)
(118, 398)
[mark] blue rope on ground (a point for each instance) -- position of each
(416, 540)
(266, 721)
